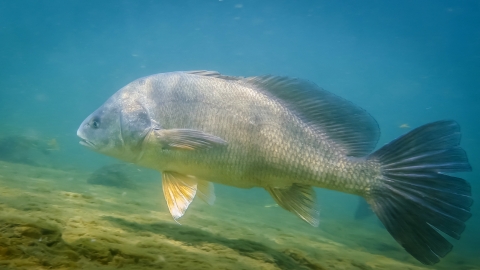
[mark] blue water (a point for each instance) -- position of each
(405, 62)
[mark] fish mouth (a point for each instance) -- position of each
(84, 141)
(87, 143)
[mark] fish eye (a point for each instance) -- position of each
(95, 123)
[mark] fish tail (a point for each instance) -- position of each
(414, 198)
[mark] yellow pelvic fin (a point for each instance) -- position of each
(180, 190)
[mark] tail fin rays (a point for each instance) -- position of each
(414, 199)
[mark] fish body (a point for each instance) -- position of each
(266, 144)
(284, 135)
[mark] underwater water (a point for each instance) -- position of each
(63, 206)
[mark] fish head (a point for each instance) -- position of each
(118, 128)
(101, 130)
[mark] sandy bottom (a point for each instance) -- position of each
(53, 219)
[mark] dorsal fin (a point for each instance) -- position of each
(214, 74)
(340, 120)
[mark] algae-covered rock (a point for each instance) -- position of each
(116, 175)
(26, 150)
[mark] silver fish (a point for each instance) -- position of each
(287, 136)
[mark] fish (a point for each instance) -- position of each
(53, 145)
(287, 136)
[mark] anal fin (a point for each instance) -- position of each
(180, 190)
(298, 199)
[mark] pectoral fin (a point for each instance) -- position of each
(180, 190)
(298, 199)
(187, 139)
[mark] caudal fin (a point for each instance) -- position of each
(414, 199)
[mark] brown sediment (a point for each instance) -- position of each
(53, 219)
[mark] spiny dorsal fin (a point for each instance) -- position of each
(340, 120)
(214, 74)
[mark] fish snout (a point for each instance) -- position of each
(83, 140)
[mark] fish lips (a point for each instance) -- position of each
(84, 141)
(87, 143)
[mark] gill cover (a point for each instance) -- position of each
(135, 124)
